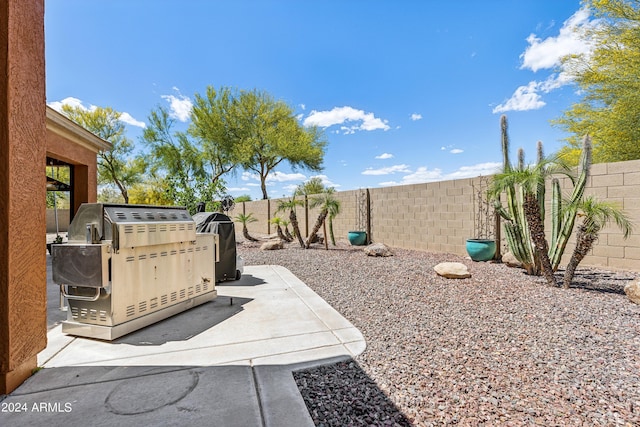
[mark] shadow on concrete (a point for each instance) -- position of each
(246, 280)
(187, 324)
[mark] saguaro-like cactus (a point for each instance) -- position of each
(515, 225)
(563, 213)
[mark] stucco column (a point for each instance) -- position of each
(23, 308)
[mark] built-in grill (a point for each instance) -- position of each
(128, 266)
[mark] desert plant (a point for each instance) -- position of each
(245, 219)
(278, 222)
(525, 179)
(595, 216)
(287, 233)
(290, 205)
(329, 206)
(529, 182)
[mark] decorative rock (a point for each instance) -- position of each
(272, 245)
(633, 291)
(509, 259)
(452, 270)
(378, 249)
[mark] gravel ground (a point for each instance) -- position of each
(500, 348)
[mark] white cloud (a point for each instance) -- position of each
(179, 105)
(77, 103)
(128, 119)
(238, 189)
(423, 174)
(385, 156)
(387, 171)
(325, 181)
(71, 101)
(342, 115)
(483, 169)
(416, 116)
(523, 99)
(547, 53)
(456, 151)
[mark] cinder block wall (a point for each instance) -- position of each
(438, 216)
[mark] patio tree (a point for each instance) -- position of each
(191, 174)
(116, 166)
(246, 219)
(329, 206)
(290, 205)
(255, 131)
(595, 216)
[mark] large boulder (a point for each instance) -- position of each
(452, 270)
(272, 245)
(633, 291)
(378, 249)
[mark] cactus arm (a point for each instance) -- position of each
(569, 214)
(556, 210)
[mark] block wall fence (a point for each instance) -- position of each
(439, 216)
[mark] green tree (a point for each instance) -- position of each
(312, 186)
(116, 166)
(595, 216)
(244, 220)
(329, 206)
(609, 78)
(253, 130)
(189, 173)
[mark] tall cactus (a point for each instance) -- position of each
(563, 214)
(516, 228)
(564, 219)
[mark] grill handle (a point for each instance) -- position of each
(95, 297)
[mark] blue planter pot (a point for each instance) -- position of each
(481, 249)
(357, 238)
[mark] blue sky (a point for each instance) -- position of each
(406, 91)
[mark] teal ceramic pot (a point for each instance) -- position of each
(357, 238)
(481, 249)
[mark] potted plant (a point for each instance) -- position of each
(482, 247)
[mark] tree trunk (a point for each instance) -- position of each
(263, 187)
(245, 233)
(288, 235)
(333, 238)
(280, 233)
(324, 228)
(584, 243)
(296, 229)
(532, 213)
(316, 227)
